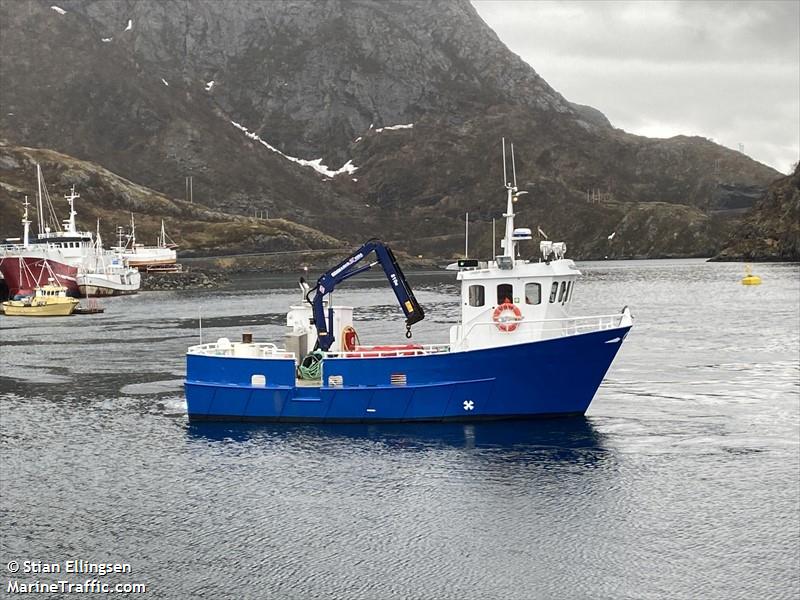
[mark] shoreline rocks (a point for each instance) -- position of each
(183, 281)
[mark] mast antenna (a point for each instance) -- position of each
(513, 166)
(505, 177)
(466, 236)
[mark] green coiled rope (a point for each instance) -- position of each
(311, 366)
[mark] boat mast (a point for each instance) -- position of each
(133, 232)
(508, 247)
(162, 242)
(70, 224)
(26, 225)
(39, 208)
(466, 236)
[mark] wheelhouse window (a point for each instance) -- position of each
(477, 295)
(562, 292)
(567, 293)
(505, 293)
(571, 291)
(553, 292)
(533, 293)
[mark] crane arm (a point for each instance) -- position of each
(349, 268)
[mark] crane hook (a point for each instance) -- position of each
(408, 332)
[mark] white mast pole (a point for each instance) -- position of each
(26, 225)
(508, 249)
(505, 177)
(466, 236)
(39, 208)
(98, 249)
(71, 226)
(513, 165)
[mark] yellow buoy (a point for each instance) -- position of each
(749, 278)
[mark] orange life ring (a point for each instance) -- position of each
(502, 322)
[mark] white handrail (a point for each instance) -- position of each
(399, 351)
(598, 326)
(263, 350)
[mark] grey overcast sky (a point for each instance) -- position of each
(725, 70)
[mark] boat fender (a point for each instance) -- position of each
(502, 321)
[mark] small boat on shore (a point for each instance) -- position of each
(161, 257)
(50, 300)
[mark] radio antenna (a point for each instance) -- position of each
(513, 166)
(505, 177)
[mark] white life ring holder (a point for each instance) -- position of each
(503, 324)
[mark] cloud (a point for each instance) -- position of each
(729, 71)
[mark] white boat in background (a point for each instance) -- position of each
(162, 256)
(107, 274)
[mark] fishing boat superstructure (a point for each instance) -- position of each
(515, 353)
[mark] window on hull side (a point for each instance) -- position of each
(505, 293)
(476, 295)
(553, 292)
(533, 293)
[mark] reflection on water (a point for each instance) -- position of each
(682, 481)
(568, 440)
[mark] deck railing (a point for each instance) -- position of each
(525, 328)
(550, 328)
(385, 352)
(240, 350)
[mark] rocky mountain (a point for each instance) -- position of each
(93, 100)
(108, 198)
(311, 76)
(242, 95)
(771, 230)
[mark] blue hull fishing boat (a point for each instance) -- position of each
(515, 354)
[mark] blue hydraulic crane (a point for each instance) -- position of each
(347, 269)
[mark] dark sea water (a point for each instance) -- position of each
(683, 480)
